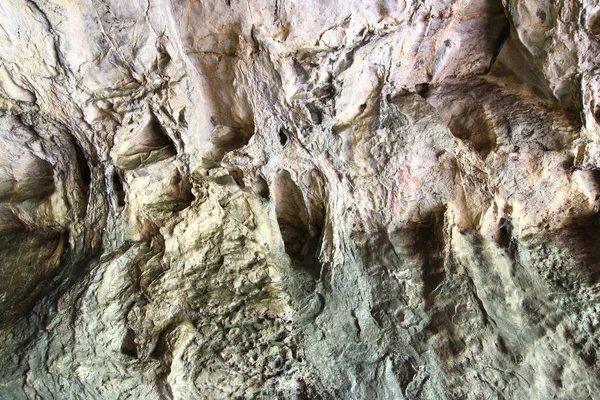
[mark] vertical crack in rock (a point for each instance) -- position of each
(85, 174)
(291, 215)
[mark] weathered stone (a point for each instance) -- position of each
(329, 200)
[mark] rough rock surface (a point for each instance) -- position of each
(316, 199)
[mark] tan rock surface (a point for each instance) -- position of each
(217, 199)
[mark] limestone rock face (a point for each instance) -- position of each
(317, 199)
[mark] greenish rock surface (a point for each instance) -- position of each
(227, 199)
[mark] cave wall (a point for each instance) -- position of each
(218, 199)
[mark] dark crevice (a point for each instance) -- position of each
(182, 121)
(84, 170)
(185, 197)
(504, 236)
(498, 37)
(283, 136)
(291, 214)
(161, 137)
(151, 144)
(228, 135)
(310, 260)
(128, 346)
(504, 233)
(294, 223)
(473, 127)
(594, 24)
(595, 109)
(422, 89)
(261, 187)
(119, 190)
(315, 114)
(324, 92)
(237, 174)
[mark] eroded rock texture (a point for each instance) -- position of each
(218, 199)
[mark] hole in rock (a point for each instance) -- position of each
(128, 346)
(149, 144)
(228, 135)
(283, 136)
(291, 215)
(156, 136)
(504, 234)
(182, 120)
(261, 187)
(595, 112)
(470, 123)
(594, 24)
(227, 138)
(119, 190)
(569, 163)
(186, 199)
(422, 89)
(237, 174)
(38, 184)
(501, 345)
(300, 221)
